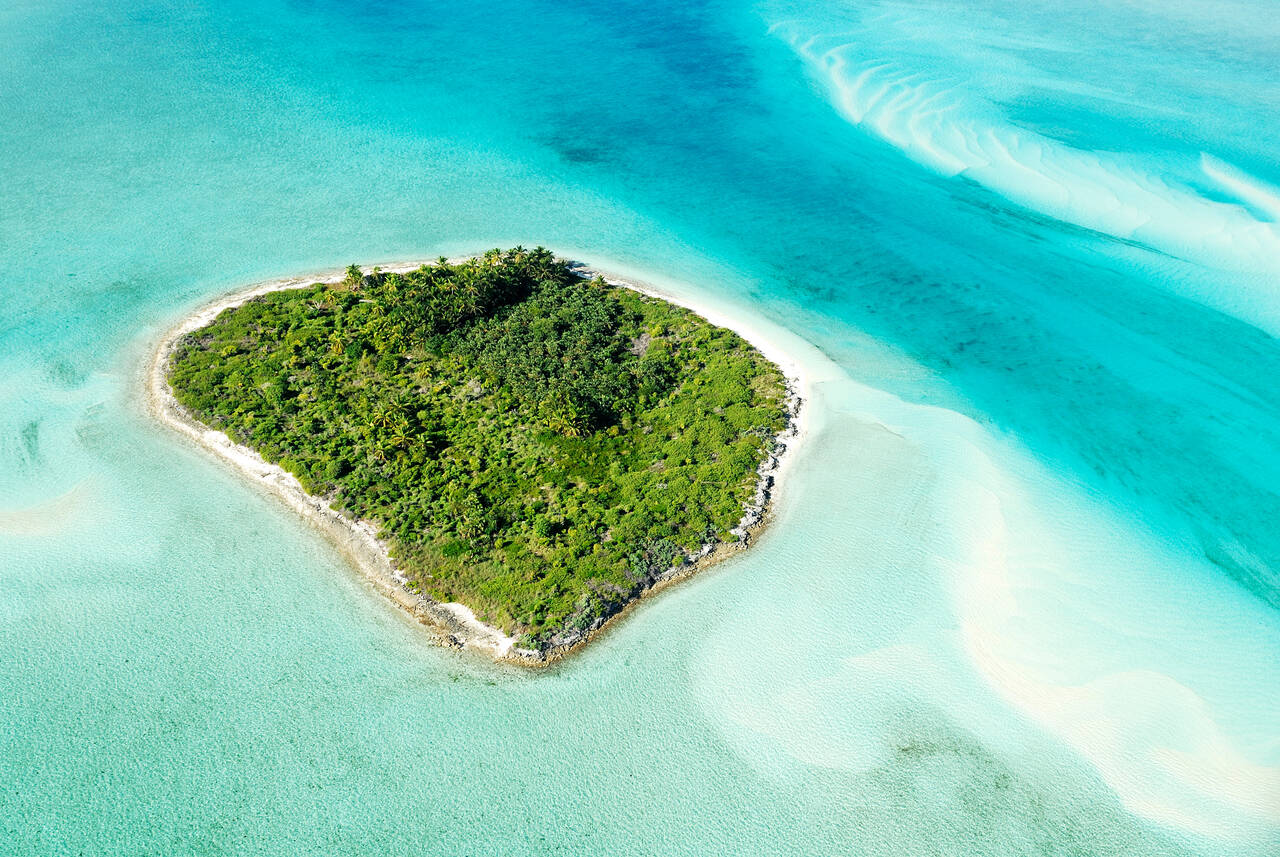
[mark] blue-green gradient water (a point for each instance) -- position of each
(1022, 594)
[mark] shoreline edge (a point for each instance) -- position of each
(452, 624)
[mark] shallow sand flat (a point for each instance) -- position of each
(971, 569)
(1123, 677)
(47, 516)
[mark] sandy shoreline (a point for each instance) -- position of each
(454, 624)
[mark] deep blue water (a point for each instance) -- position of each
(1022, 595)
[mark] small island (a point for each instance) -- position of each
(514, 449)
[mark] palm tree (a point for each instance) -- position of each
(352, 279)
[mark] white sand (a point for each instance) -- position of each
(456, 623)
(1143, 719)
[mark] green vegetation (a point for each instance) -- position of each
(537, 446)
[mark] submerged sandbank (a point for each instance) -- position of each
(455, 624)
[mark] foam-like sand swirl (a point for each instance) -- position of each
(1220, 217)
(1076, 620)
(937, 124)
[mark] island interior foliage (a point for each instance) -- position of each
(538, 446)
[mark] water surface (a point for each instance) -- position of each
(1021, 595)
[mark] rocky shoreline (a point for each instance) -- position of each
(754, 519)
(454, 624)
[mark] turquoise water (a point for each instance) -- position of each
(1022, 595)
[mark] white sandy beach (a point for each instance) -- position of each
(455, 624)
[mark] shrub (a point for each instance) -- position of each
(495, 420)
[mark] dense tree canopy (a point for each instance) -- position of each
(535, 445)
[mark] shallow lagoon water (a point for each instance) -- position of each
(1021, 596)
